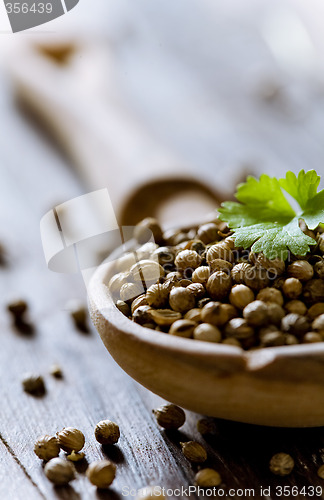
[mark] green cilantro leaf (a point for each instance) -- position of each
(264, 219)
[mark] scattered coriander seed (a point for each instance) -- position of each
(208, 478)
(70, 439)
(320, 472)
(194, 452)
(47, 447)
(107, 432)
(187, 259)
(123, 308)
(312, 337)
(241, 296)
(164, 317)
(101, 473)
(201, 275)
(301, 269)
(281, 464)
(34, 384)
(148, 229)
(256, 313)
(271, 295)
(170, 416)
(183, 328)
(17, 308)
(151, 492)
(76, 456)
(207, 333)
(296, 306)
(56, 371)
(78, 313)
(219, 285)
(181, 299)
(295, 324)
(59, 471)
(205, 426)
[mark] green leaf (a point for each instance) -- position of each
(302, 188)
(265, 221)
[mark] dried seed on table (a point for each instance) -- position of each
(34, 384)
(194, 452)
(70, 439)
(183, 328)
(301, 269)
(241, 296)
(148, 229)
(164, 317)
(296, 306)
(208, 478)
(271, 295)
(107, 432)
(256, 313)
(47, 447)
(207, 333)
(219, 285)
(101, 473)
(181, 299)
(295, 324)
(59, 471)
(281, 464)
(169, 416)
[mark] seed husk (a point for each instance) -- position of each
(34, 384)
(59, 471)
(194, 452)
(170, 416)
(101, 473)
(164, 317)
(107, 432)
(183, 328)
(76, 456)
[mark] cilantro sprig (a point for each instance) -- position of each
(264, 219)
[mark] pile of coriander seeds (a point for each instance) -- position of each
(196, 284)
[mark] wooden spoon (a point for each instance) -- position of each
(279, 386)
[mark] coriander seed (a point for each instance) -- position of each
(146, 272)
(76, 456)
(116, 282)
(157, 295)
(139, 301)
(241, 296)
(222, 250)
(183, 328)
(165, 257)
(316, 310)
(208, 478)
(148, 229)
(292, 288)
(193, 315)
(239, 329)
(312, 337)
(59, 471)
(107, 432)
(238, 272)
(194, 452)
(207, 333)
(46, 447)
(142, 315)
(197, 289)
(296, 306)
(101, 473)
(281, 464)
(314, 291)
(319, 269)
(221, 265)
(219, 285)
(181, 299)
(187, 259)
(208, 233)
(170, 416)
(34, 384)
(70, 439)
(164, 317)
(275, 266)
(320, 472)
(201, 275)
(256, 278)
(318, 324)
(232, 341)
(272, 339)
(301, 269)
(295, 324)
(291, 339)
(256, 313)
(275, 313)
(130, 291)
(17, 308)
(123, 308)
(271, 295)
(217, 314)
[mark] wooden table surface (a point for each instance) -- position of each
(34, 178)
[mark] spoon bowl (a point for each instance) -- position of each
(277, 386)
